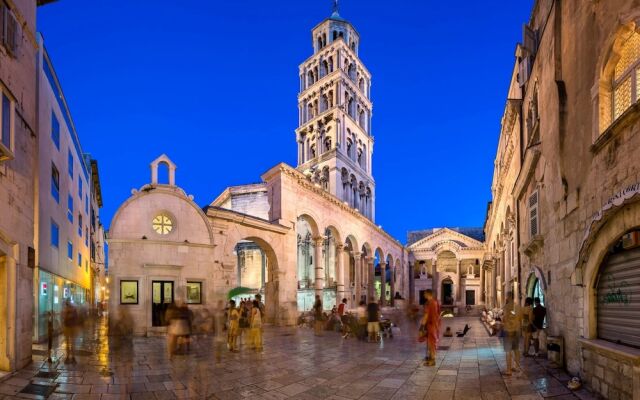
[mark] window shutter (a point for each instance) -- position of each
(3, 17)
(530, 39)
(10, 39)
(533, 214)
(524, 69)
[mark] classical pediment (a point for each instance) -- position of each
(446, 237)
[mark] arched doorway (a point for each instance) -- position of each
(447, 292)
(306, 263)
(256, 269)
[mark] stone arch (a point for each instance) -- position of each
(311, 221)
(350, 240)
(625, 219)
(165, 162)
(271, 245)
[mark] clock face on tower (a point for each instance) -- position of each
(162, 224)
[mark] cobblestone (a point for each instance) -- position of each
(295, 364)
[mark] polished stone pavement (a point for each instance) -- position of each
(295, 364)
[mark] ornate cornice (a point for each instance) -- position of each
(302, 181)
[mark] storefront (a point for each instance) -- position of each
(53, 290)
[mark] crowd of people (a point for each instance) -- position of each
(241, 322)
(526, 322)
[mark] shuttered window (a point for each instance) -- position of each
(618, 298)
(9, 30)
(534, 221)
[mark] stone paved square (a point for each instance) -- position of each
(295, 364)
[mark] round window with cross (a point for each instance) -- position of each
(162, 224)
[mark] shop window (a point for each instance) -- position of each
(128, 292)
(55, 234)
(55, 183)
(70, 208)
(194, 292)
(70, 250)
(55, 130)
(70, 162)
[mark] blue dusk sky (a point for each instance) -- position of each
(214, 84)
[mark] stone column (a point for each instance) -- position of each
(459, 288)
(358, 282)
(318, 265)
(371, 293)
(412, 283)
(482, 288)
(393, 285)
(383, 283)
(340, 254)
(435, 282)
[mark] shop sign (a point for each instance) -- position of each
(614, 201)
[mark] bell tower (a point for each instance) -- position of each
(334, 138)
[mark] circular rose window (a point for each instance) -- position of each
(162, 224)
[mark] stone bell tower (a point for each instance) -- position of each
(335, 145)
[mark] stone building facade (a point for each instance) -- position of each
(18, 157)
(574, 202)
(68, 232)
(299, 233)
(448, 261)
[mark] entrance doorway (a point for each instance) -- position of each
(162, 295)
(447, 292)
(470, 297)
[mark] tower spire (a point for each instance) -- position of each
(336, 7)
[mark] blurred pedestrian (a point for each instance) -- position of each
(234, 327)
(373, 321)
(256, 326)
(511, 325)
(179, 330)
(527, 325)
(70, 323)
(431, 325)
(50, 332)
(539, 315)
(317, 314)
(218, 325)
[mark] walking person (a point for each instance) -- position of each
(342, 310)
(218, 322)
(539, 315)
(234, 327)
(317, 314)
(527, 325)
(373, 321)
(256, 326)
(70, 324)
(511, 325)
(431, 325)
(50, 332)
